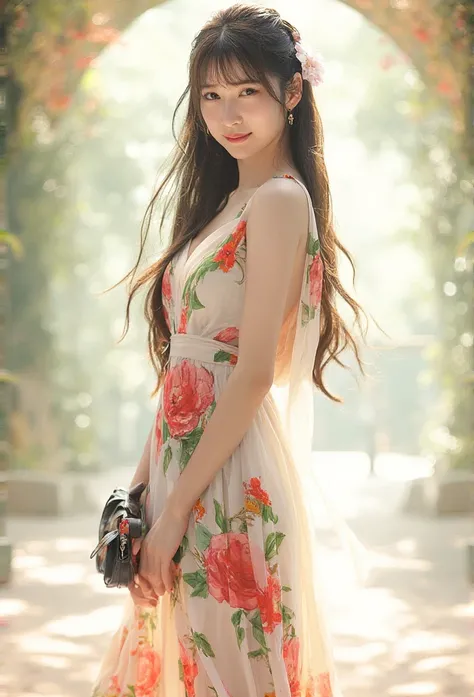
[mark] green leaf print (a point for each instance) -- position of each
(237, 617)
(272, 544)
(259, 653)
(168, 456)
(286, 588)
(166, 431)
(220, 518)
(268, 514)
(181, 670)
(203, 537)
(312, 246)
(287, 614)
(240, 635)
(131, 691)
(194, 302)
(203, 644)
(182, 549)
(188, 445)
(198, 581)
(243, 527)
(257, 629)
(308, 313)
(222, 356)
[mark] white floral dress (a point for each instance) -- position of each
(243, 618)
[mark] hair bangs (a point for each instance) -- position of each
(228, 61)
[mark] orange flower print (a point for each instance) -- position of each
(227, 335)
(316, 281)
(148, 672)
(190, 670)
(233, 359)
(254, 488)
(225, 257)
(269, 601)
(188, 391)
(199, 510)
(252, 505)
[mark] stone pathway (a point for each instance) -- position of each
(407, 633)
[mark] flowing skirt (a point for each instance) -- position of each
(244, 618)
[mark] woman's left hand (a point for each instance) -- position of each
(158, 549)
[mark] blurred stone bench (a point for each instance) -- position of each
(43, 494)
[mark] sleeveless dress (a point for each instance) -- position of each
(244, 616)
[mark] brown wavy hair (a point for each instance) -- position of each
(201, 174)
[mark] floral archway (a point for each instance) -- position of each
(434, 36)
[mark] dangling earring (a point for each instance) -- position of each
(291, 118)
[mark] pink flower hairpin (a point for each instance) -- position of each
(312, 64)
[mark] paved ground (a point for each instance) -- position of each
(408, 633)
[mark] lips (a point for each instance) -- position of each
(238, 138)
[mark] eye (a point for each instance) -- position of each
(211, 96)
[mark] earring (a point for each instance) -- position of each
(291, 118)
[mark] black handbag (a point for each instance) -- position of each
(122, 520)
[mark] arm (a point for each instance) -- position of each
(142, 473)
(276, 226)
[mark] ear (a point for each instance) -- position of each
(294, 91)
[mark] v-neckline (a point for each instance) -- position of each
(189, 256)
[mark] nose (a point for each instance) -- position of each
(230, 114)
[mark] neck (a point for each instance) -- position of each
(254, 171)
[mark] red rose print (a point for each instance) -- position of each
(158, 432)
(148, 671)
(225, 257)
(269, 601)
(183, 320)
(187, 392)
(316, 281)
(254, 488)
(229, 570)
(166, 285)
(291, 654)
(324, 684)
(227, 335)
(190, 670)
(114, 687)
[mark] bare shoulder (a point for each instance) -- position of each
(281, 200)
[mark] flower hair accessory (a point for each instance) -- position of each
(312, 65)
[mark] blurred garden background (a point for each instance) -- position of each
(87, 93)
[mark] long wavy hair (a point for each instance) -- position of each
(201, 174)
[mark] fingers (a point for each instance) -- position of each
(146, 589)
(136, 545)
(139, 598)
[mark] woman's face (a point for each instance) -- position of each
(245, 109)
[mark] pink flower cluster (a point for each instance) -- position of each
(311, 64)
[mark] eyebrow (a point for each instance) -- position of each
(237, 84)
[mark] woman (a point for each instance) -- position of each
(242, 321)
